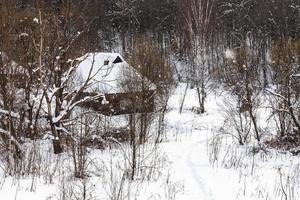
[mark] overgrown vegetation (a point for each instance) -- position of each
(250, 49)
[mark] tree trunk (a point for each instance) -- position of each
(184, 95)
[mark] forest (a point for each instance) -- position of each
(180, 56)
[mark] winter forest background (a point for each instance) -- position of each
(227, 78)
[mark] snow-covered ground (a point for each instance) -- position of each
(214, 167)
(193, 163)
(188, 135)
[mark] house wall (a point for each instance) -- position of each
(122, 103)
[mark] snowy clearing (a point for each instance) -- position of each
(191, 166)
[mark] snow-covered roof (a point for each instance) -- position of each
(108, 73)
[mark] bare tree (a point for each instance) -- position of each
(48, 42)
(198, 17)
(285, 65)
(241, 78)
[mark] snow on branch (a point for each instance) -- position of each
(276, 94)
(10, 113)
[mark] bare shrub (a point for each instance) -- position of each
(118, 187)
(287, 184)
(75, 189)
(285, 93)
(237, 123)
(241, 78)
(154, 65)
(147, 164)
(81, 129)
(172, 189)
(214, 149)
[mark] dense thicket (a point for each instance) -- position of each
(236, 20)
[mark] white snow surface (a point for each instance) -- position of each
(237, 173)
(229, 54)
(36, 20)
(189, 170)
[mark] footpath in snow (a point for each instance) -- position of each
(238, 173)
(188, 136)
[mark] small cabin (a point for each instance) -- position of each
(120, 87)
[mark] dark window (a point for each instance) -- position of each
(118, 60)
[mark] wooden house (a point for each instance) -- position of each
(120, 87)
